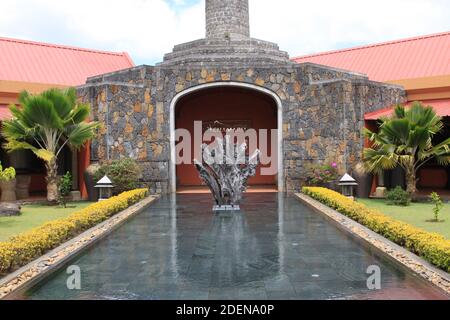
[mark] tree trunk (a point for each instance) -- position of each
(411, 182)
(52, 181)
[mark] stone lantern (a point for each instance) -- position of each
(348, 184)
(105, 187)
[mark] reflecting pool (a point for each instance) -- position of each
(276, 248)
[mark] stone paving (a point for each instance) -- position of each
(276, 248)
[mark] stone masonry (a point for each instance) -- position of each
(323, 108)
(227, 20)
(227, 41)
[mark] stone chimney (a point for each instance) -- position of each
(227, 19)
(227, 41)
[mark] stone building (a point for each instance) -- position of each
(318, 111)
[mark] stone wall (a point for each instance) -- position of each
(323, 112)
(137, 126)
(327, 124)
(227, 19)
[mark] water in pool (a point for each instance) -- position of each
(276, 248)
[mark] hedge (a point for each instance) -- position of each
(431, 246)
(25, 247)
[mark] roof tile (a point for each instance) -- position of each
(29, 61)
(419, 57)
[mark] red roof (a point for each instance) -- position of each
(442, 108)
(29, 61)
(419, 57)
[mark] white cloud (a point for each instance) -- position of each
(144, 28)
(149, 28)
(302, 27)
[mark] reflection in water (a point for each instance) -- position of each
(276, 248)
(242, 253)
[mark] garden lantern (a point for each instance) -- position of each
(348, 184)
(105, 187)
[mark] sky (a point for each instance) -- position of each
(147, 29)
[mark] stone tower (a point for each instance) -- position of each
(319, 110)
(227, 19)
(227, 41)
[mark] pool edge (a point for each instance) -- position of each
(425, 270)
(37, 270)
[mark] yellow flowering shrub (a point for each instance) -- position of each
(32, 244)
(431, 246)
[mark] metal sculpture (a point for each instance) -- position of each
(225, 170)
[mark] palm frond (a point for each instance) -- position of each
(399, 111)
(419, 137)
(23, 97)
(79, 134)
(443, 160)
(61, 103)
(13, 145)
(14, 129)
(79, 114)
(41, 111)
(377, 160)
(396, 130)
(440, 150)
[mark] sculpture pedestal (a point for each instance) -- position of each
(226, 208)
(380, 193)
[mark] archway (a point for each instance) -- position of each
(232, 104)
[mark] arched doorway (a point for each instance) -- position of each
(233, 105)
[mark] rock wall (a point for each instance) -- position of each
(227, 19)
(323, 113)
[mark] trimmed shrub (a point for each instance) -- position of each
(431, 246)
(398, 197)
(124, 174)
(26, 247)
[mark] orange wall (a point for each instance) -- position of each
(84, 159)
(428, 88)
(224, 104)
(7, 98)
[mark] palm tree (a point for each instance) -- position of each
(405, 140)
(45, 124)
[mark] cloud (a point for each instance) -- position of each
(149, 28)
(145, 28)
(302, 27)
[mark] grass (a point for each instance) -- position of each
(418, 214)
(35, 215)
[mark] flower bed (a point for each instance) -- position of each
(431, 246)
(30, 245)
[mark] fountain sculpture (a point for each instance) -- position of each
(225, 170)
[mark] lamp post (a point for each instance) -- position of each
(348, 183)
(105, 187)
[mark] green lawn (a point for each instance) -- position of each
(417, 214)
(34, 216)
